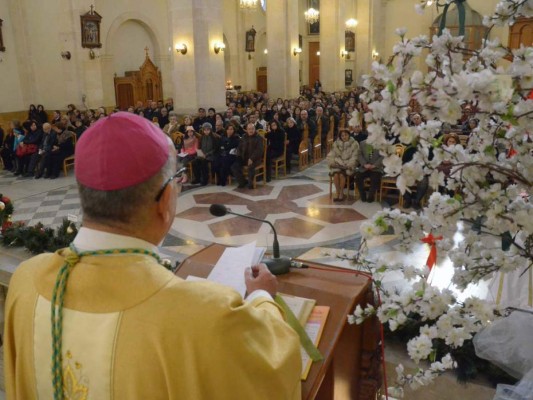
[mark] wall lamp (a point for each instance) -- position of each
(296, 50)
(375, 55)
(181, 48)
(346, 54)
(219, 46)
(65, 55)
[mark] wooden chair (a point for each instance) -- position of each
(303, 154)
(69, 161)
(388, 183)
(260, 170)
(347, 184)
(342, 121)
(280, 162)
(329, 138)
(317, 149)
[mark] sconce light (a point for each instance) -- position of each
(346, 54)
(318, 53)
(92, 54)
(265, 51)
(219, 46)
(375, 55)
(65, 55)
(351, 23)
(296, 50)
(181, 48)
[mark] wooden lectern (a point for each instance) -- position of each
(351, 366)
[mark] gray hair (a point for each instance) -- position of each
(119, 207)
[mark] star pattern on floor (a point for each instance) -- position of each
(302, 211)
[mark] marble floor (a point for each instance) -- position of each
(309, 224)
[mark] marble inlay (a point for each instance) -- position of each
(301, 211)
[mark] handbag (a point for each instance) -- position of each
(26, 149)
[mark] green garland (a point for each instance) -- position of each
(37, 239)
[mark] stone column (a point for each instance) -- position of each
(369, 34)
(198, 76)
(332, 27)
(282, 37)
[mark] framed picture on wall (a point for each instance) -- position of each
(349, 41)
(2, 47)
(90, 29)
(348, 77)
(314, 29)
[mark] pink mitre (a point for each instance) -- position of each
(120, 151)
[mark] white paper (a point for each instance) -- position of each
(229, 270)
(312, 329)
(258, 255)
(183, 154)
(233, 151)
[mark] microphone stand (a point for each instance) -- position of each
(278, 265)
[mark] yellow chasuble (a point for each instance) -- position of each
(133, 330)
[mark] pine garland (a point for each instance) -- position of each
(37, 239)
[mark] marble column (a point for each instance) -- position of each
(198, 76)
(282, 37)
(369, 34)
(332, 27)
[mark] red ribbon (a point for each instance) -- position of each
(432, 241)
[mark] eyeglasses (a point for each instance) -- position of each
(180, 176)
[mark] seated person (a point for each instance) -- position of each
(470, 125)
(450, 141)
(415, 199)
(206, 153)
(250, 156)
(276, 146)
(28, 147)
(370, 166)
(294, 137)
(40, 161)
(229, 142)
(189, 149)
(61, 150)
(342, 160)
(173, 132)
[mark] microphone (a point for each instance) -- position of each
(277, 265)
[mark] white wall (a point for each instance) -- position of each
(11, 98)
(127, 47)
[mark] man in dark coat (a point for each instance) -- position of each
(250, 155)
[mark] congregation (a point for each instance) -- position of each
(254, 134)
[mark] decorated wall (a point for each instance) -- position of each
(33, 69)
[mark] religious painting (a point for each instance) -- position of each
(348, 77)
(2, 47)
(250, 40)
(314, 28)
(90, 29)
(300, 41)
(349, 41)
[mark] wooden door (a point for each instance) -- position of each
(261, 79)
(124, 92)
(314, 63)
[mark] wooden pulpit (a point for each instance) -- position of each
(351, 366)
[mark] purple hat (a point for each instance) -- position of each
(120, 151)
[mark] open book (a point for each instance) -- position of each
(300, 306)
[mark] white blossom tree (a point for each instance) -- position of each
(490, 178)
